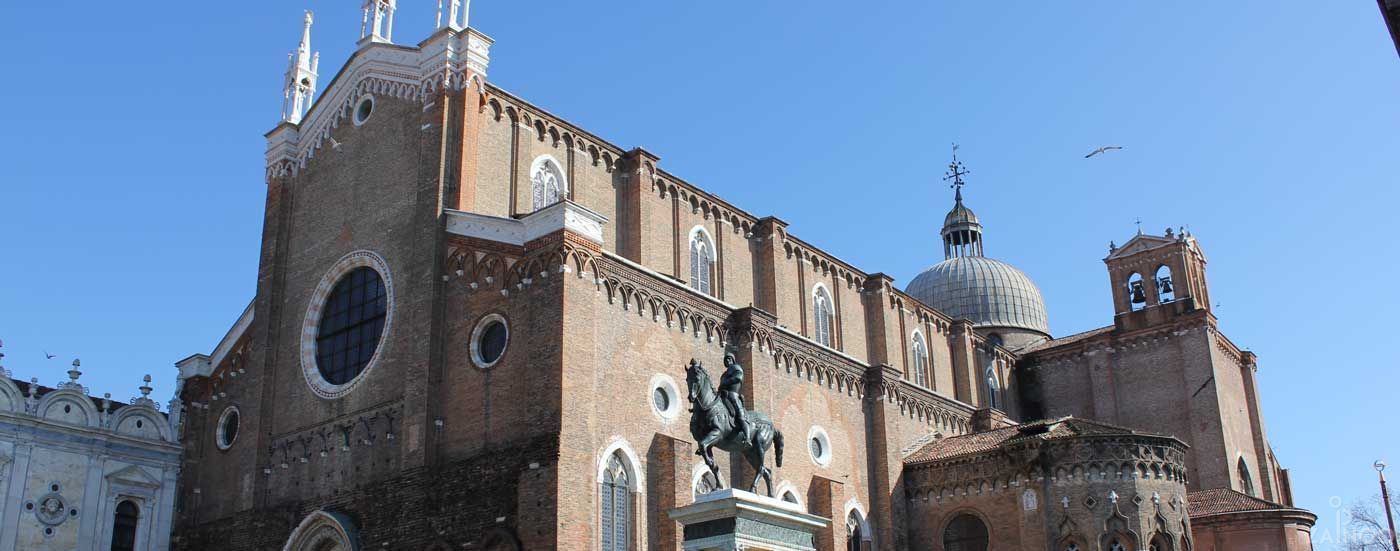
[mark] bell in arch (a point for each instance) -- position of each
(1138, 296)
(1165, 284)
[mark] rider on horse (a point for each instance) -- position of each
(729, 386)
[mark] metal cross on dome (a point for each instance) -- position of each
(956, 170)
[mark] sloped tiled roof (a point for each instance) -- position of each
(1225, 500)
(1051, 429)
(1063, 341)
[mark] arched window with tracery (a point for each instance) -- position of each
(124, 526)
(822, 315)
(1159, 543)
(965, 533)
(920, 353)
(854, 533)
(1117, 545)
(1246, 481)
(702, 259)
(547, 183)
(615, 511)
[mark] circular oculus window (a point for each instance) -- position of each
(489, 340)
(364, 109)
(227, 431)
(819, 446)
(665, 397)
(350, 311)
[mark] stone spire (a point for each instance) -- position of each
(300, 86)
(377, 21)
(458, 12)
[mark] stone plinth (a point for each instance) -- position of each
(733, 520)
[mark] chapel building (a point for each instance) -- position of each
(84, 473)
(473, 318)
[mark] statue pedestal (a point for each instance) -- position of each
(733, 520)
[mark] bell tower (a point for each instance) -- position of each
(1156, 278)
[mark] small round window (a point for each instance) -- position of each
(665, 397)
(819, 446)
(228, 428)
(489, 340)
(364, 109)
(659, 399)
(351, 324)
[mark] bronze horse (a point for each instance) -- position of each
(712, 425)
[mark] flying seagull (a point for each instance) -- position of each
(1104, 149)
(48, 356)
(334, 144)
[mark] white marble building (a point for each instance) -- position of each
(83, 473)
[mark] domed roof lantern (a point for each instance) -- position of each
(994, 295)
(962, 233)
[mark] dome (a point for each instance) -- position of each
(960, 215)
(989, 292)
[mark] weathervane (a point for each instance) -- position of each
(956, 170)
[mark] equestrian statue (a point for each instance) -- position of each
(718, 420)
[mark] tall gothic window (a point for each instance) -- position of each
(854, 535)
(616, 510)
(547, 183)
(1117, 545)
(822, 314)
(1159, 543)
(993, 387)
(1246, 481)
(921, 375)
(702, 258)
(965, 533)
(124, 526)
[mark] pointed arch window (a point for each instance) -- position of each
(702, 260)
(615, 511)
(1246, 481)
(1159, 543)
(854, 534)
(124, 526)
(822, 315)
(1117, 545)
(921, 374)
(547, 183)
(993, 387)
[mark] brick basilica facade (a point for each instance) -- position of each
(472, 320)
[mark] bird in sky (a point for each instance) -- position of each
(334, 144)
(48, 356)
(1104, 149)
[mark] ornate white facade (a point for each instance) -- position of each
(78, 472)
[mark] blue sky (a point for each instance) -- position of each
(131, 146)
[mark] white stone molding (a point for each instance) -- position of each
(476, 340)
(631, 461)
(673, 396)
(450, 59)
(69, 406)
(566, 215)
(11, 399)
(311, 323)
(542, 169)
(142, 421)
(819, 434)
(324, 530)
(786, 486)
(219, 435)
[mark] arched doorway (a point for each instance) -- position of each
(966, 532)
(324, 531)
